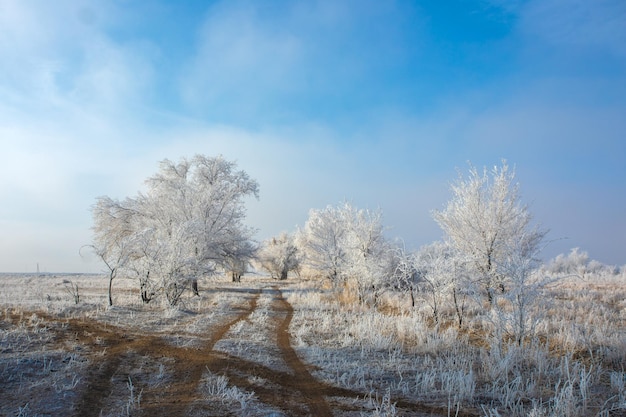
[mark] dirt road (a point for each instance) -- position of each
(133, 372)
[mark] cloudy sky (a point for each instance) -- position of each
(321, 101)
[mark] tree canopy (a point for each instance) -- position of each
(187, 224)
(487, 225)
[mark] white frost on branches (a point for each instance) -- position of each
(485, 223)
(279, 256)
(347, 246)
(187, 224)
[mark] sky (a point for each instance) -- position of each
(382, 104)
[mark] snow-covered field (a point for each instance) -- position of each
(290, 348)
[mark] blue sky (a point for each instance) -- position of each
(378, 103)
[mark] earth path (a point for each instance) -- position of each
(188, 367)
(180, 399)
(311, 389)
(115, 350)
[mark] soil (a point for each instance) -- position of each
(115, 355)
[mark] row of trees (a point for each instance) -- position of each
(190, 223)
(489, 256)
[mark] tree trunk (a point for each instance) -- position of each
(111, 276)
(459, 308)
(490, 298)
(194, 286)
(143, 286)
(375, 294)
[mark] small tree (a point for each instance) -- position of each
(114, 240)
(433, 274)
(433, 264)
(461, 288)
(346, 245)
(484, 220)
(517, 309)
(72, 289)
(237, 257)
(322, 243)
(279, 256)
(405, 277)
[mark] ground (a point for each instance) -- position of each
(227, 352)
(264, 347)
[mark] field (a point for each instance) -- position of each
(264, 347)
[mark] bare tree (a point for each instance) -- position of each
(485, 221)
(72, 289)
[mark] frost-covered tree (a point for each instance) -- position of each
(347, 246)
(405, 276)
(187, 224)
(279, 256)
(433, 275)
(524, 288)
(434, 264)
(369, 254)
(237, 258)
(485, 221)
(577, 264)
(322, 243)
(114, 242)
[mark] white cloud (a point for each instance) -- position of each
(71, 126)
(59, 61)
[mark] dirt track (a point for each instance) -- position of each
(115, 354)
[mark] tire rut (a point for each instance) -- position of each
(296, 393)
(312, 391)
(189, 365)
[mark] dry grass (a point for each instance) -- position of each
(219, 353)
